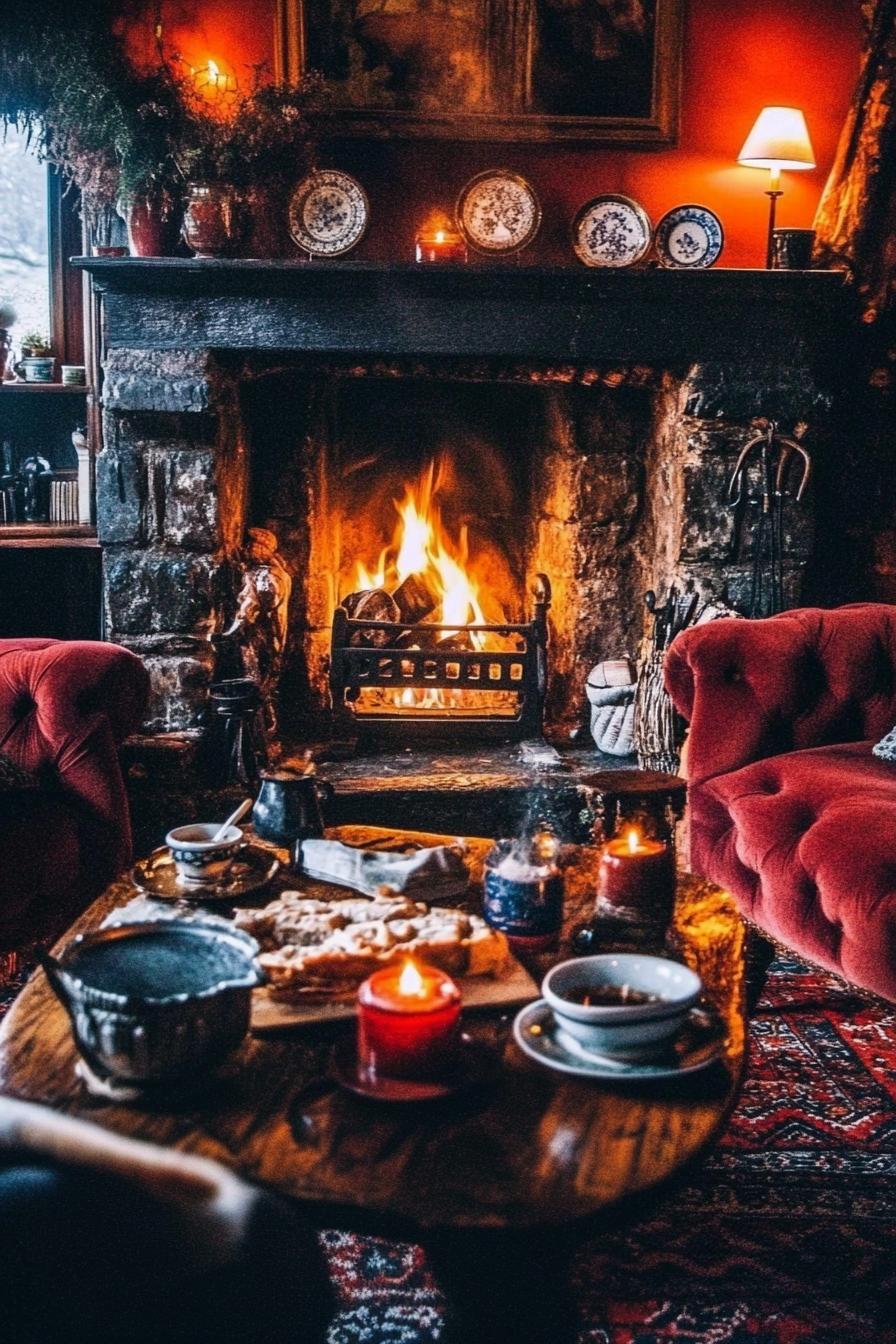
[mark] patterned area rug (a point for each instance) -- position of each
(786, 1234)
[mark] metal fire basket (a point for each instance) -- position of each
(397, 657)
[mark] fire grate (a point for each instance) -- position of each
(384, 677)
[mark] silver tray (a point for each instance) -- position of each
(253, 868)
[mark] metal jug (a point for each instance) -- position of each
(289, 806)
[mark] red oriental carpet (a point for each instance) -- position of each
(785, 1235)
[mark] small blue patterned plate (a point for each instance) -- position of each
(689, 237)
(611, 231)
(328, 213)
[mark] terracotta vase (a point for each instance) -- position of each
(267, 222)
(152, 226)
(213, 219)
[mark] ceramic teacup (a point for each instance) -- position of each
(200, 859)
(627, 1005)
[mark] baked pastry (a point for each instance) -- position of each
(326, 948)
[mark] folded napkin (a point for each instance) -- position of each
(429, 874)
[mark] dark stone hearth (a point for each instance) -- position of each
(163, 379)
(610, 492)
(185, 503)
(588, 443)
(156, 592)
(120, 497)
(494, 792)
(708, 529)
(649, 316)
(779, 389)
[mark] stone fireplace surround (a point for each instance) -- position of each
(636, 391)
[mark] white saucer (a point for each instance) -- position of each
(701, 1040)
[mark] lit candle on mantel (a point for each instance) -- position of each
(408, 1023)
(439, 240)
(212, 81)
(636, 880)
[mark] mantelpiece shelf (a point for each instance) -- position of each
(558, 314)
(47, 536)
(47, 389)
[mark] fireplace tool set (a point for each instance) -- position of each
(759, 485)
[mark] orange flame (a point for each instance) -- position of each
(634, 841)
(410, 982)
(422, 545)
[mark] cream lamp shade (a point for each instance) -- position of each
(779, 139)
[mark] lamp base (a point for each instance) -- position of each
(772, 207)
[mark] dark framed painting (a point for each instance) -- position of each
(591, 71)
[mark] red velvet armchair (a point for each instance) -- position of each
(64, 709)
(788, 808)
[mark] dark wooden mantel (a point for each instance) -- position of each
(558, 314)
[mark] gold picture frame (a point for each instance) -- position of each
(492, 70)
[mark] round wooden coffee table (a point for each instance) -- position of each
(496, 1181)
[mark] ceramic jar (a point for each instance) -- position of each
(152, 226)
(213, 219)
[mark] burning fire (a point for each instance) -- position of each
(421, 545)
(424, 553)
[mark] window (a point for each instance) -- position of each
(39, 230)
(24, 243)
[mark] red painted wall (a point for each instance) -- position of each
(738, 56)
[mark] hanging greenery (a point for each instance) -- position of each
(116, 132)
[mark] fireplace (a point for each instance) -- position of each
(507, 424)
(464, 543)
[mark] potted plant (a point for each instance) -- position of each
(36, 346)
(37, 364)
(109, 128)
(237, 166)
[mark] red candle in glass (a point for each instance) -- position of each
(408, 1023)
(637, 876)
(439, 240)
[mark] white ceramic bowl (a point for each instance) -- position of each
(197, 857)
(625, 1031)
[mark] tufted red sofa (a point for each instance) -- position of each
(788, 808)
(64, 709)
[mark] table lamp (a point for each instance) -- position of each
(779, 139)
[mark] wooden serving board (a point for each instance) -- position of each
(479, 992)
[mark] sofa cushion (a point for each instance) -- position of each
(806, 842)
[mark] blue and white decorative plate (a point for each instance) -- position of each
(611, 231)
(689, 237)
(498, 211)
(328, 213)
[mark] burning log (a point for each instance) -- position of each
(416, 597)
(460, 642)
(418, 638)
(373, 604)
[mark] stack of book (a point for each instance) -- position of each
(63, 499)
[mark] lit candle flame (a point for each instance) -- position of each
(410, 982)
(440, 235)
(214, 74)
(634, 841)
